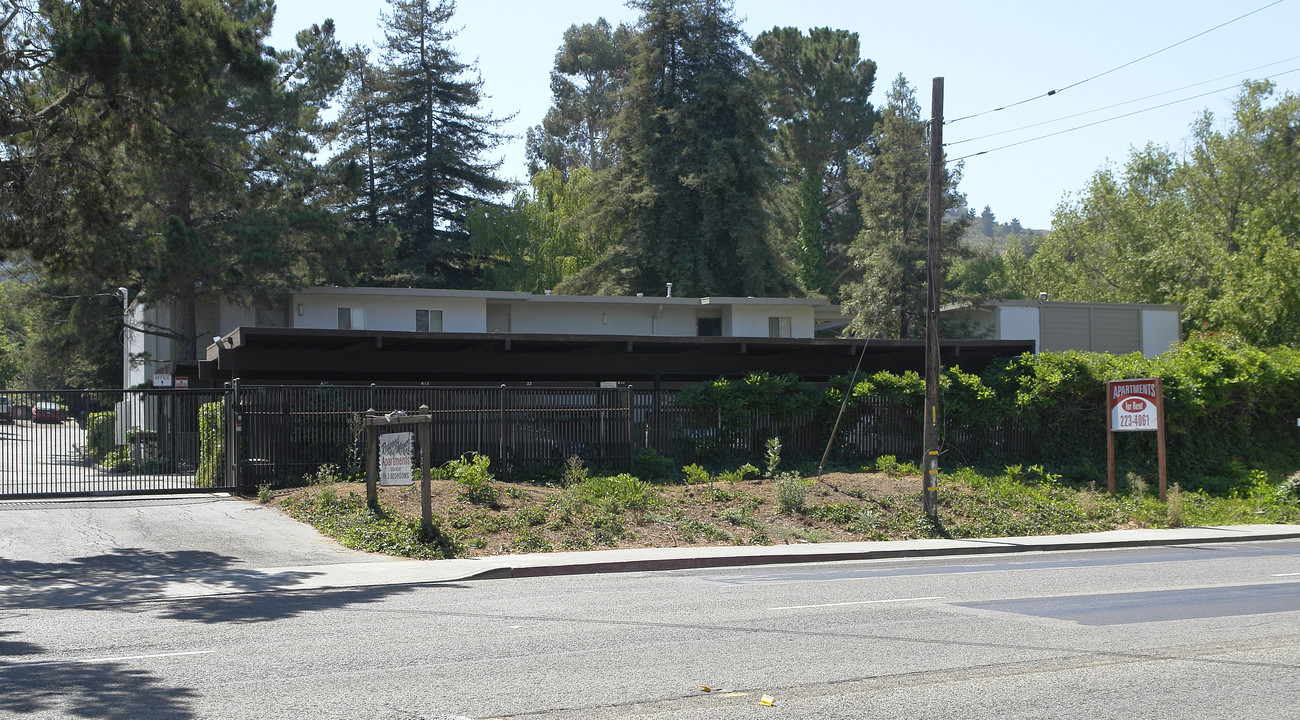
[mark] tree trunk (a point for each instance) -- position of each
(185, 323)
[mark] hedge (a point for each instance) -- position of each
(212, 445)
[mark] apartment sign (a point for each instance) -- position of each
(395, 450)
(1134, 404)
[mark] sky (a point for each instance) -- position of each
(991, 54)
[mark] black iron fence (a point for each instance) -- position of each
(87, 442)
(287, 434)
(140, 441)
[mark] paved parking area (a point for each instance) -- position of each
(243, 533)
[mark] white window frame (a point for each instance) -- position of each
(432, 320)
(779, 326)
(356, 318)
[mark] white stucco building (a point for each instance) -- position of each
(468, 311)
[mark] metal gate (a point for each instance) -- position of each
(107, 442)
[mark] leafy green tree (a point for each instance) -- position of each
(1213, 230)
(687, 201)
(425, 140)
(815, 87)
(51, 338)
(591, 69)
(164, 147)
(889, 297)
(539, 240)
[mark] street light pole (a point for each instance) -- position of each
(126, 336)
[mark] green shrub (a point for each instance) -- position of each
(696, 475)
(625, 491)
(99, 434)
(650, 465)
(212, 445)
(772, 456)
(791, 494)
(574, 472)
(889, 465)
(471, 473)
(738, 474)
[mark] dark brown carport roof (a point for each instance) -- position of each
(300, 355)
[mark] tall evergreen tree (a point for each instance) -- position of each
(816, 87)
(687, 199)
(428, 140)
(889, 298)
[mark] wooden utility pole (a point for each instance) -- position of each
(930, 463)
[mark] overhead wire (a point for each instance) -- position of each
(1104, 73)
(1109, 119)
(1120, 104)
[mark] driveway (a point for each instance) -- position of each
(59, 553)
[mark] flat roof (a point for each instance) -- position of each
(556, 298)
(308, 355)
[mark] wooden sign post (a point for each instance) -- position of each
(1135, 406)
(423, 420)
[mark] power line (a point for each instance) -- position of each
(1057, 91)
(1109, 119)
(1120, 104)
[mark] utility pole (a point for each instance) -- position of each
(930, 463)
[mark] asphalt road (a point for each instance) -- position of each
(1208, 631)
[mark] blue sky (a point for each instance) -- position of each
(990, 53)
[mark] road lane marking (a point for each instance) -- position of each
(1285, 574)
(859, 602)
(104, 659)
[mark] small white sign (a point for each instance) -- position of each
(609, 384)
(162, 380)
(395, 450)
(183, 383)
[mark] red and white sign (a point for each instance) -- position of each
(1134, 404)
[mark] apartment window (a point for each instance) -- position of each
(352, 319)
(708, 326)
(276, 317)
(428, 321)
(778, 327)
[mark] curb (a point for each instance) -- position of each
(988, 547)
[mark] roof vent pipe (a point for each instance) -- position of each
(670, 290)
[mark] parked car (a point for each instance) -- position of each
(6, 409)
(47, 412)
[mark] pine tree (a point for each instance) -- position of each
(428, 138)
(889, 299)
(816, 88)
(591, 69)
(687, 200)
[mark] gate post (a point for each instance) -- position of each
(232, 421)
(631, 443)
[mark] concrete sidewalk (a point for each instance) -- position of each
(120, 573)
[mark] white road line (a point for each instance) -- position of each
(859, 602)
(1285, 574)
(104, 659)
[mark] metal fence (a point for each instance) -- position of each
(286, 434)
(120, 442)
(89, 442)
